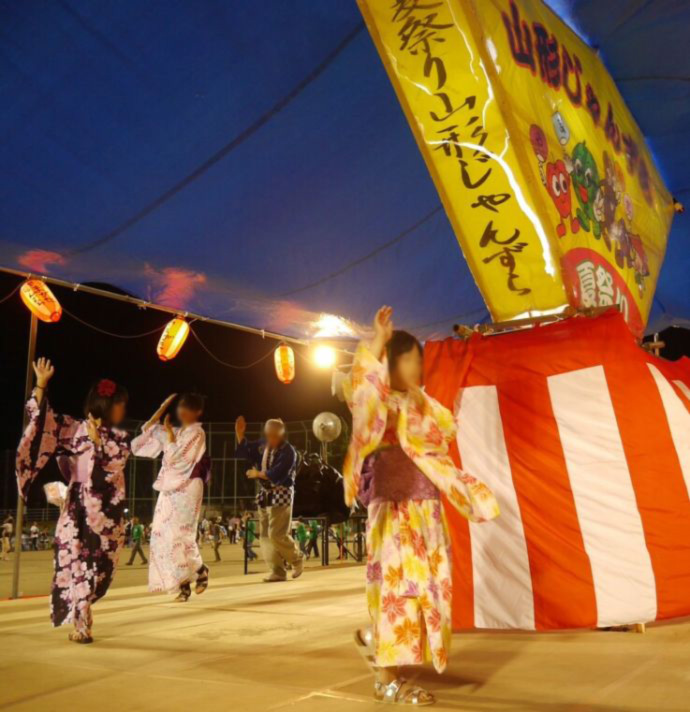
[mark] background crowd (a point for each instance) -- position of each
(231, 528)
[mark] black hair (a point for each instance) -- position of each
(99, 404)
(193, 401)
(401, 343)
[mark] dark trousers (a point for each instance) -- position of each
(313, 545)
(136, 549)
(216, 546)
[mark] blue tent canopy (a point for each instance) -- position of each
(250, 161)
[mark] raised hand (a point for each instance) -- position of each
(92, 426)
(163, 407)
(169, 428)
(383, 330)
(44, 371)
(383, 323)
(155, 418)
(240, 428)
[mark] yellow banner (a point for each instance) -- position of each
(542, 170)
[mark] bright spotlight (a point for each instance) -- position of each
(324, 356)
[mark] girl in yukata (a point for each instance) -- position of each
(91, 455)
(175, 561)
(398, 465)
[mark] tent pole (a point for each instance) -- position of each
(19, 522)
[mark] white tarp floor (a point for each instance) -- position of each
(248, 645)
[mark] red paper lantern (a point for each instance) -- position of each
(40, 301)
(172, 339)
(284, 359)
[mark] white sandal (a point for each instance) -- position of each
(401, 692)
(364, 640)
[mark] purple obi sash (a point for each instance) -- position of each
(202, 470)
(389, 475)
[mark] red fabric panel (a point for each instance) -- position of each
(655, 471)
(443, 375)
(518, 365)
(674, 371)
(561, 574)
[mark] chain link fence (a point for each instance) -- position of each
(229, 491)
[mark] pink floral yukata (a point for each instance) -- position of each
(175, 556)
(398, 462)
(90, 531)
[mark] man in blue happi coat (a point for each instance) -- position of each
(274, 465)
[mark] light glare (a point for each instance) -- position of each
(324, 356)
(330, 325)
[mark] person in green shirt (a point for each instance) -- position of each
(137, 541)
(249, 536)
(301, 534)
(313, 538)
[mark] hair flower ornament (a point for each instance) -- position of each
(106, 388)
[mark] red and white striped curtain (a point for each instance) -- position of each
(585, 440)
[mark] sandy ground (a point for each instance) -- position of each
(246, 645)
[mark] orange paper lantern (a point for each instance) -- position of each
(284, 359)
(40, 301)
(173, 337)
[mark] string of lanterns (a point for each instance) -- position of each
(40, 300)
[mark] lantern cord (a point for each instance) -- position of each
(110, 333)
(11, 294)
(224, 363)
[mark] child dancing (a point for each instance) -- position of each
(175, 560)
(398, 465)
(91, 455)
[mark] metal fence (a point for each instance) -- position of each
(347, 538)
(229, 491)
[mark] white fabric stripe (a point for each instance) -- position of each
(678, 420)
(502, 581)
(683, 387)
(605, 501)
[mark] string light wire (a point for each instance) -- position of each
(225, 363)
(110, 333)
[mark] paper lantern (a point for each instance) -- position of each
(284, 359)
(173, 337)
(40, 301)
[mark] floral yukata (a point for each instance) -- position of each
(398, 464)
(175, 556)
(90, 531)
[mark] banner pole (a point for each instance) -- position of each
(19, 522)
